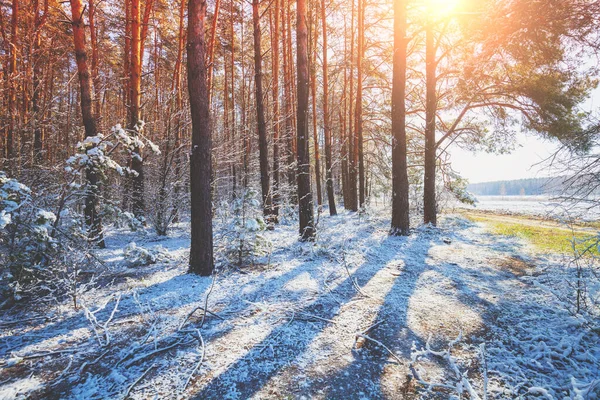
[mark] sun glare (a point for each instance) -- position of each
(442, 8)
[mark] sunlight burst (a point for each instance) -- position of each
(442, 8)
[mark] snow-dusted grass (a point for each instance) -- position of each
(290, 325)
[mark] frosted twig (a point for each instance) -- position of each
(187, 382)
(317, 317)
(380, 344)
(153, 352)
(199, 307)
(137, 381)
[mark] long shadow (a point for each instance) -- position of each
(364, 376)
(361, 378)
(249, 374)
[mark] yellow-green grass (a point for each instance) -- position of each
(543, 238)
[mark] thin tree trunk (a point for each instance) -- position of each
(38, 138)
(429, 202)
(201, 248)
(326, 120)
(176, 88)
(358, 138)
(211, 50)
(260, 114)
(313, 85)
(305, 201)
(276, 116)
(92, 217)
(135, 107)
(352, 171)
(12, 90)
(400, 199)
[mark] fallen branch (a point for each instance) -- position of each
(187, 382)
(199, 307)
(360, 335)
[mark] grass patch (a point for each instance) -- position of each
(547, 239)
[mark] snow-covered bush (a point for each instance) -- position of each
(27, 242)
(244, 238)
(137, 256)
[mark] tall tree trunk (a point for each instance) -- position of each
(276, 116)
(94, 71)
(429, 202)
(345, 136)
(400, 204)
(326, 118)
(38, 138)
(352, 170)
(289, 105)
(201, 248)
(211, 50)
(260, 114)
(305, 201)
(358, 138)
(12, 83)
(85, 84)
(313, 86)
(135, 109)
(176, 89)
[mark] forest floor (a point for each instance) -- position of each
(356, 315)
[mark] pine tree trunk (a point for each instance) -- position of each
(429, 202)
(326, 121)
(38, 139)
(358, 149)
(313, 87)
(211, 50)
(276, 116)
(352, 161)
(85, 84)
(400, 202)
(201, 248)
(305, 201)
(260, 114)
(12, 83)
(137, 198)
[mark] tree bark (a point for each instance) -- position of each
(326, 120)
(201, 248)
(276, 116)
(358, 138)
(211, 50)
(12, 90)
(85, 84)
(38, 139)
(313, 88)
(137, 200)
(260, 114)
(429, 202)
(400, 199)
(305, 201)
(352, 171)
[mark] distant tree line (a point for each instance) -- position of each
(519, 187)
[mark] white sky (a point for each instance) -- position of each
(520, 164)
(484, 167)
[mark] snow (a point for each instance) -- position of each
(286, 326)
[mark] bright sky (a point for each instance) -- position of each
(484, 167)
(520, 164)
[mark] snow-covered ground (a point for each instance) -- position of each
(343, 318)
